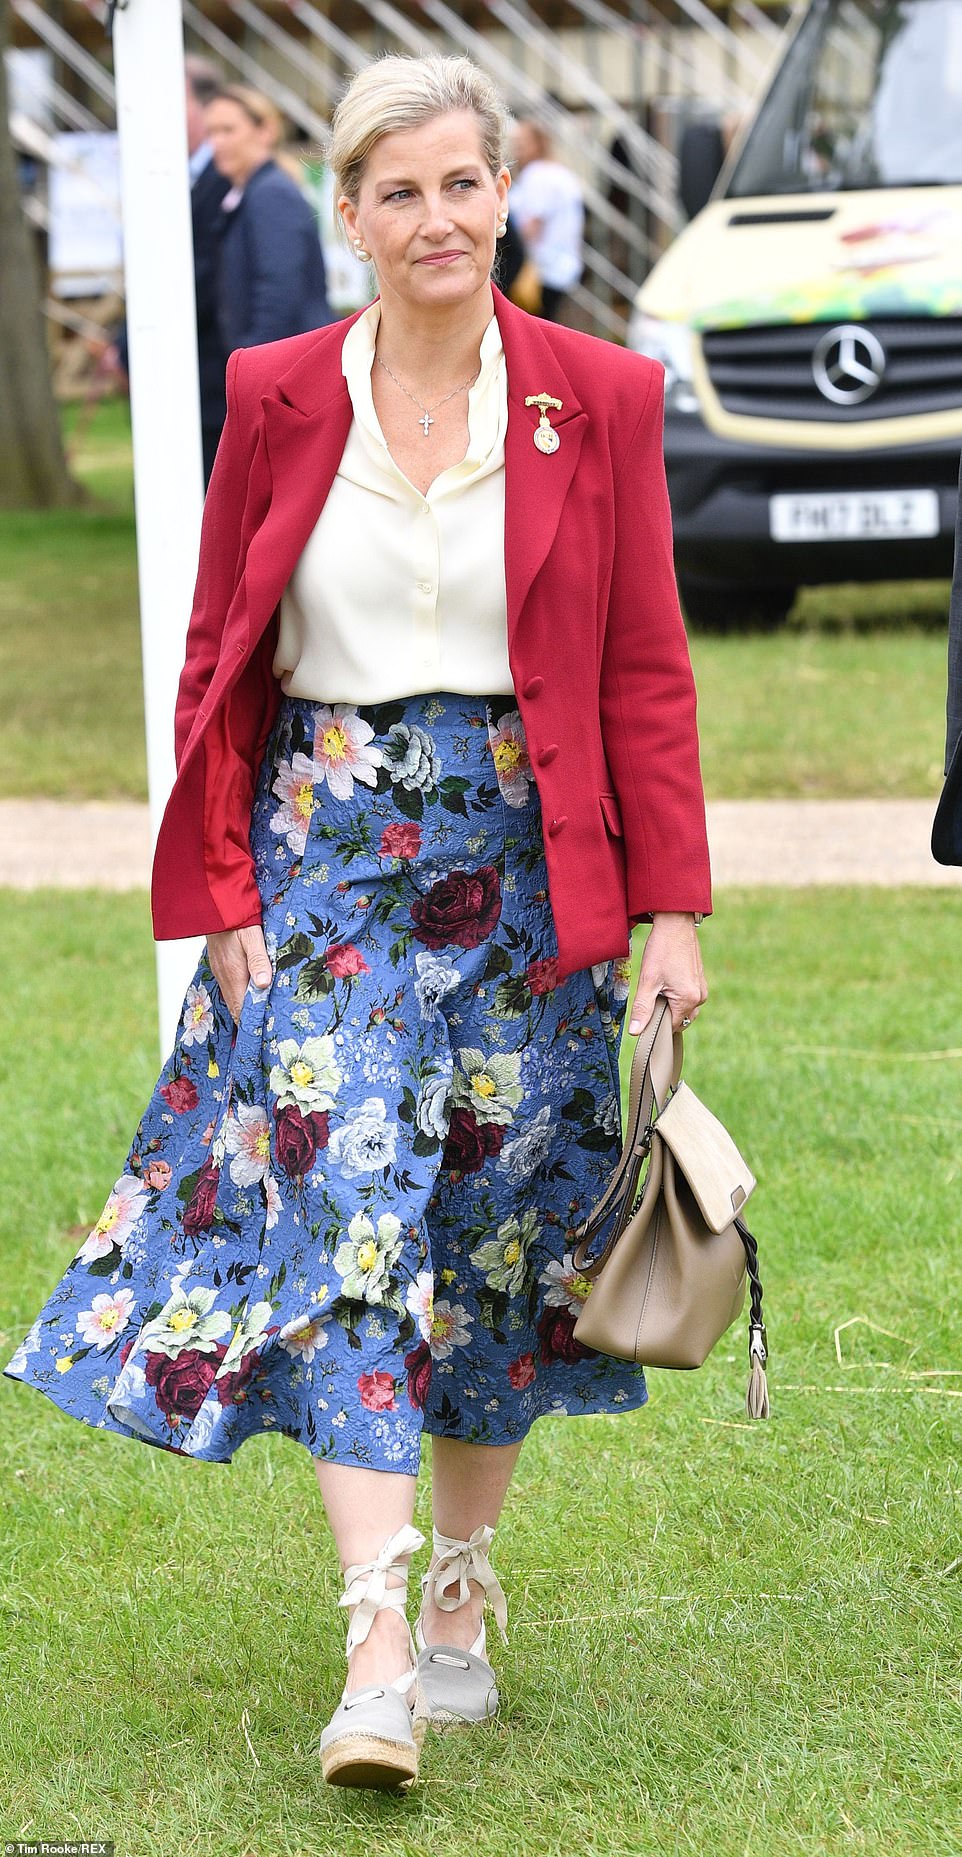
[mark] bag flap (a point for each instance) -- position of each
(705, 1153)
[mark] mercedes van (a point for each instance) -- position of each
(809, 318)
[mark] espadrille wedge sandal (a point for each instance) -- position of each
(460, 1685)
(375, 1735)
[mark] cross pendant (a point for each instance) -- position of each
(425, 421)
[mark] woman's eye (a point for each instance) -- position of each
(468, 181)
(400, 194)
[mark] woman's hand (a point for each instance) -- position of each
(236, 956)
(671, 964)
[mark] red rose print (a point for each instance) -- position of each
(231, 1387)
(522, 1371)
(468, 1146)
(181, 1384)
(461, 908)
(345, 960)
(198, 1214)
(400, 841)
(542, 976)
(180, 1094)
(418, 1364)
(377, 1391)
(297, 1138)
(557, 1336)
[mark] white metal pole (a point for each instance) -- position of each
(164, 394)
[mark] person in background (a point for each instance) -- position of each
(271, 276)
(947, 824)
(548, 209)
(207, 189)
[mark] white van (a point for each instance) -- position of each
(810, 321)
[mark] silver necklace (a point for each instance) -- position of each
(426, 421)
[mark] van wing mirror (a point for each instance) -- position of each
(700, 158)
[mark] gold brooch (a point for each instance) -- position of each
(544, 435)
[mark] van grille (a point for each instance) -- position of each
(767, 372)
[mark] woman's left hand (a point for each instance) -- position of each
(671, 964)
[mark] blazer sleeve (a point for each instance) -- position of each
(218, 562)
(647, 692)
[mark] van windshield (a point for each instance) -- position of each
(868, 95)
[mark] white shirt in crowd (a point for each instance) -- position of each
(549, 192)
(398, 592)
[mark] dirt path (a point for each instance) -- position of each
(791, 843)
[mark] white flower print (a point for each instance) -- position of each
(248, 1139)
(274, 1202)
(512, 764)
(117, 1220)
(564, 1286)
(294, 787)
(433, 1114)
(365, 1141)
(622, 978)
(305, 1342)
(450, 1329)
(437, 975)
(198, 1019)
(365, 1260)
(186, 1321)
(490, 1087)
(29, 1345)
(246, 1335)
(419, 1302)
(528, 1151)
(307, 1076)
(105, 1318)
(342, 753)
(503, 1259)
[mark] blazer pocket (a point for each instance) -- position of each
(612, 812)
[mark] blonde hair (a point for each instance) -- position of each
(397, 92)
(254, 104)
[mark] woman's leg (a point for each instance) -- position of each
(469, 1484)
(364, 1508)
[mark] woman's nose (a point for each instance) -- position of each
(436, 219)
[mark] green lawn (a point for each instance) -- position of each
(848, 700)
(726, 1640)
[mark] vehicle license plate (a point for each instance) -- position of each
(856, 515)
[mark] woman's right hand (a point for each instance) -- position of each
(236, 956)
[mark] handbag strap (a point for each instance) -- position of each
(655, 1071)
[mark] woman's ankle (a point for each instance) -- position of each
(383, 1655)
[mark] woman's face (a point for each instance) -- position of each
(427, 210)
(239, 144)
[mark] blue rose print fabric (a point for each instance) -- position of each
(350, 1219)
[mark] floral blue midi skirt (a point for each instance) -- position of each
(350, 1218)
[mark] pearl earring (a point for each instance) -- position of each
(502, 228)
(359, 252)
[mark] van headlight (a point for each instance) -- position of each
(671, 343)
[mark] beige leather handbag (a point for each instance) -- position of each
(671, 1275)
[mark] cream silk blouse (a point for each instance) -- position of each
(396, 592)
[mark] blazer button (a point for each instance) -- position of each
(555, 825)
(547, 755)
(533, 687)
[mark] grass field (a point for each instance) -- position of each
(726, 1640)
(849, 700)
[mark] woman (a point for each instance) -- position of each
(272, 280)
(436, 751)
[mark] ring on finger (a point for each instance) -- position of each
(685, 1022)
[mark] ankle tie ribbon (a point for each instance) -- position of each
(464, 1561)
(366, 1587)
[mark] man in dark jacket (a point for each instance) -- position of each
(947, 828)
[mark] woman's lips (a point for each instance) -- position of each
(441, 257)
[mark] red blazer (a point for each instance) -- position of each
(596, 641)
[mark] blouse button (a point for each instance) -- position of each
(424, 586)
(533, 687)
(556, 824)
(547, 755)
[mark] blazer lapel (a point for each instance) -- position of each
(307, 418)
(535, 483)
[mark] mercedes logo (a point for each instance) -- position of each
(848, 365)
